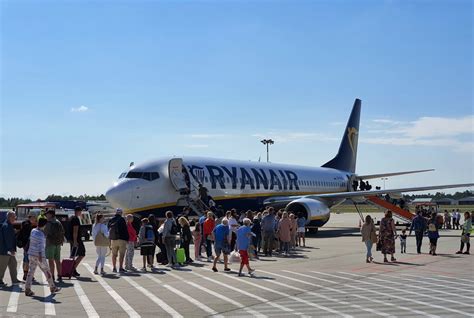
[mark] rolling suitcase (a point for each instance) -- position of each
(180, 257)
(67, 265)
(161, 258)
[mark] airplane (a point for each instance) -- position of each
(171, 183)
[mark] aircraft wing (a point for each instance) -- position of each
(390, 174)
(283, 200)
(354, 194)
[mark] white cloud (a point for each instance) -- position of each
(79, 109)
(425, 131)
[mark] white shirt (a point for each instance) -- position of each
(100, 227)
(233, 225)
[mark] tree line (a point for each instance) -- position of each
(13, 202)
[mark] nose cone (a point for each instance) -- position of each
(119, 195)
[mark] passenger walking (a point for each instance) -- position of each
(23, 239)
(433, 233)
(465, 235)
(37, 257)
(132, 240)
(387, 233)
(257, 230)
(197, 241)
(221, 244)
(284, 230)
(418, 224)
(244, 233)
(75, 239)
(208, 228)
(118, 234)
(8, 249)
(146, 238)
(301, 229)
(294, 231)
(100, 235)
(170, 230)
(403, 241)
(233, 226)
(54, 232)
(186, 237)
(268, 232)
(369, 237)
(158, 238)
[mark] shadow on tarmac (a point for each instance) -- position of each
(329, 232)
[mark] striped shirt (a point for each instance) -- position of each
(37, 243)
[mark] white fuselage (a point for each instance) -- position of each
(229, 183)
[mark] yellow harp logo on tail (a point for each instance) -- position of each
(352, 137)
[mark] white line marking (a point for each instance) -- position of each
(150, 295)
(253, 296)
(413, 293)
(268, 289)
(435, 284)
(183, 295)
(391, 295)
(442, 280)
(321, 295)
(49, 309)
(261, 299)
(368, 298)
(91, 313)
(15, 294)
(463, 280)
(217, 295)
(349, 294)
(118, 299)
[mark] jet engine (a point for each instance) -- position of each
(316, 212)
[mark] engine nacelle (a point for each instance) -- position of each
(316, 212)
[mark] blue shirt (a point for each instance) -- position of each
(301, 222)
(243, 239)
(202, 219)
(221, 232)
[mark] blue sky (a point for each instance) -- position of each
(87, 87)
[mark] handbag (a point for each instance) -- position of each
(101, 240)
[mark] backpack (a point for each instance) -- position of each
(432, 227)
(113, 229)
(21, 236)
(55, 233)
(174, 229)
(149, 234)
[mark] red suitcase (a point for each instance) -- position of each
(67, 265)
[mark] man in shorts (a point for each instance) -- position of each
(221, 244)
(77, 246)
(244, 233)
(118, 234)
(54, 233)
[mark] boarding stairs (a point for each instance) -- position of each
(400, 213)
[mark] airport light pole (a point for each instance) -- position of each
(267, 142)
(384, 182)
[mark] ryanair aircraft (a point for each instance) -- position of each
(171, 183)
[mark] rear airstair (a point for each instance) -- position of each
(405, 215)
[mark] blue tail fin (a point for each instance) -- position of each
(347, 154)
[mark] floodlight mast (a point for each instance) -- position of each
(267, 142)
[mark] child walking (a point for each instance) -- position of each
(403, 241)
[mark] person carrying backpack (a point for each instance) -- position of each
(23, 239)
(118, 234)
(146, 238)
(433, 233)
(54, 232)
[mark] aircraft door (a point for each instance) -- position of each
(177, 176)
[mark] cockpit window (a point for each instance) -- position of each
(149, 176)
(123, 174)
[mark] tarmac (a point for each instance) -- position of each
(328, 278)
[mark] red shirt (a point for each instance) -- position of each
(208, 226)
(132, 234)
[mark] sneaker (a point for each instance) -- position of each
(227, 269)
(393, 259)
(95, 271)
(143, 269)
(466, 252)
(241, 275)
(459, 252)
(29, 293)
(251, 271)
(114, 270)
(102, 272)
(54, 290)
(209, 259)
(214, 270)
(60, 279)
(122, 270)
(76, 274)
